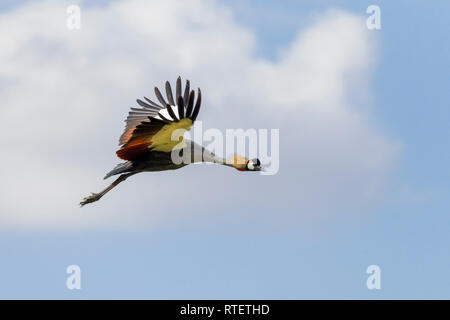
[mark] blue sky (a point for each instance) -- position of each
(406, 233)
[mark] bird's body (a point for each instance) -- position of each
(153, 139)
(161, 160)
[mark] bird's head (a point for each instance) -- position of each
(244, 164)
(253, 165)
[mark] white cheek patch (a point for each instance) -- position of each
(250, 165)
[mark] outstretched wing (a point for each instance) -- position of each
(151, 126)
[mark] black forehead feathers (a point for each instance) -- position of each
(256, 162)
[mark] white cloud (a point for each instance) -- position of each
(63, 95)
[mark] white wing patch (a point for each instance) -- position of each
(165, 113)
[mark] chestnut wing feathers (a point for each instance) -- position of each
(150, 126)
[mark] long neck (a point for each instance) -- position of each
(211, 157)
(200, 154)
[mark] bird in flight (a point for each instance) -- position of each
(148, 143)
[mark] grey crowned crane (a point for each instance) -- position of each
(147, 143)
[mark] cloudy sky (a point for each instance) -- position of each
(364, 164)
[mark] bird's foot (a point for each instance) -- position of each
(92, 198)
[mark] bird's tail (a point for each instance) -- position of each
(120, 168)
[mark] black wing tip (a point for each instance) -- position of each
(171, 113)
(196, 109)
(185, 103)
(180, 103)
(142, 103)
(190, 104)
(169, 93)
(160, 97)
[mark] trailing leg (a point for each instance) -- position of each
(97, 196)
